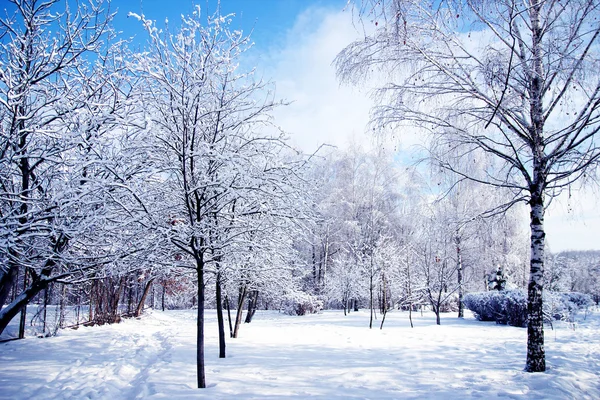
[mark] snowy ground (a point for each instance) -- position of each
(325, 356)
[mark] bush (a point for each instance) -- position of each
(301, 304)
(565, 306)
(510, 306)
(504, 307)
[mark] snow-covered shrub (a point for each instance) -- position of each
(510, 306)
(565, 306)
(299, 303)
(581, 300)
(504, 307)
(484, 305)
(515, 306)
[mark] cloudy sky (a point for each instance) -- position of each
(295, 44)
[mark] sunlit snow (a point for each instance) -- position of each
(326, 356)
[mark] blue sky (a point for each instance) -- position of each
(295, 44)
(269, 20)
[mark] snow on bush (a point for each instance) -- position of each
(510, 306)
(565, 306)
(299, 303)
(504, 307)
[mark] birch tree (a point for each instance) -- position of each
(516, 80)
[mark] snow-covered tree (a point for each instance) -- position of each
(66, 103)
(515, 80)
(226, 179)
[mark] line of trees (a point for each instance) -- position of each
(120, 165)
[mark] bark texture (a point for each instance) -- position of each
(536, 359)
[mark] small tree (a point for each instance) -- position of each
(224, 173)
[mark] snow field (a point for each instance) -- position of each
(328, 356)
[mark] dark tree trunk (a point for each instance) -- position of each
(384, 305)
(140, 307)
(152, 297)
(130, 287)
(8, 281)
(45, 314)
(229, 316)
(220, 322)
(461, 307)
(12, 309)
(162, 298)
(200, 325)
(92, 292)
(371, 295)
(240, 309)
(23, 320)
(436, 310)
(252, 303)
(61, 319)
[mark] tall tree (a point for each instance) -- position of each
(213, 145)
(514, 79)
(63, 91)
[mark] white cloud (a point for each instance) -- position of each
(321, 110)
(324, 112)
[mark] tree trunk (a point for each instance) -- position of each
(536, 359)
(314, 263)
(459, 267)
(92, 293)
(140, 307)
(63, 295)
(355, 305)
(162, 298)
(325, 260)
(410, 299)
(45, 313)
(229, 316)
(371, 295)
(7, 282)
(436, 310)
(23, 320)
(130, 287)
(12, 309)
(252, 302)
(200, 325)
(383, 304)
(240, 309)
(219, 301)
